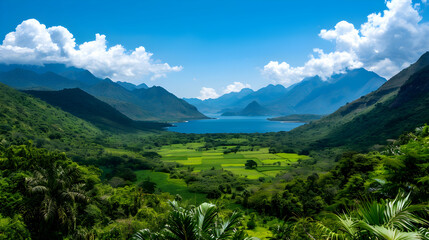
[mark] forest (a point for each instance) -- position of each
(211, 186)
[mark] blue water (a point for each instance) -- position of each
(233, 125)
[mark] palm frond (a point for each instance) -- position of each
(226, 228)
(394, 234)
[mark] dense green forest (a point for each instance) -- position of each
(45, 194)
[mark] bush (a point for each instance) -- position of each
(251, 224)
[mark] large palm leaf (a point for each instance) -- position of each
(388, 219)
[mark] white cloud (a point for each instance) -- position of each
(386, 43)
(33, 43)
(323, 65)
(206, 93)
(235, 87)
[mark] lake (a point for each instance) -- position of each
(236, 124)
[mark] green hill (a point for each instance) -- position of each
(87, 107)
(23, 117)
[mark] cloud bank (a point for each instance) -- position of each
(385, 44)
(235, 87)
(33, 43)
(206, 92)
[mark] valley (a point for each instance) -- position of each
(220, 127)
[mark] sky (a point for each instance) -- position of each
(205, 48)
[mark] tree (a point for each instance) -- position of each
(389, 219)
(250, 164)
(148, 186)
(200, 223)
(59, 189)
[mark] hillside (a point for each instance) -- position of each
(297, 118)
(396, 107)
(160, 102)
(253, 109)
(87, 107)
(121, 96)
(24, 117)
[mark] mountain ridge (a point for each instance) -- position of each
(29, 77)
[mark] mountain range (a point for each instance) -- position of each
(398, 106)
(136, 102)
(312, 95)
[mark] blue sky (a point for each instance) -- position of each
(212, 43)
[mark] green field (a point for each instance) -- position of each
(191, 155)
(173, 186)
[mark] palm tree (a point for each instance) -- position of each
(199, 223)
(393, 219)
(58, 189)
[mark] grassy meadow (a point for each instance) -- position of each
(192, 155)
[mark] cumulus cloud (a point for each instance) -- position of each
(386, 43)
(206, 93)
(323, 65)
(235, 87)
(34, 43)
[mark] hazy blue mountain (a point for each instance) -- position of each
(129, 102)
(131, 87)
(55, 68)
(310, 96)
(236, 101)
(341, 89)
(217, 104)
(26, 79)
(265, 96)
(252, 109)
(87, 107)
(81, 75)
(295, 94)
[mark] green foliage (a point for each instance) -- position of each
(389, 219)
(202, 222)
(25, 118)
(250, 164)
(148, 186)
(13, 228)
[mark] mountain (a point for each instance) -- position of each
(310, 96)
(398, 106)
(160, 102)
(236, 101)
(131, 87)
(340, 89)
(129, 102)
(24, 117)
(72, 73)
(295, 94)
(252, 109)
(26, 79)
(218, 104)
(87, 107)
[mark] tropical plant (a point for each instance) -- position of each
(200, 223)
(58, 189)
(393, 219)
